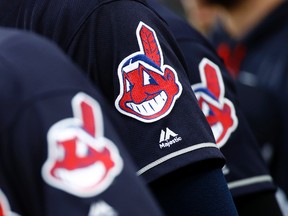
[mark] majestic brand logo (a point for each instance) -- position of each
(219, 111)
(168, 138)
(148, 88)
(81, 161)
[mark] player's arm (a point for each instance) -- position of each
(194, 189)
(158, 164)
(60, 154)
(259, 194)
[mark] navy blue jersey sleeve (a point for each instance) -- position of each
(59, 152)
(127, 50)
(218, 99)
(261, 77)
(141, 75)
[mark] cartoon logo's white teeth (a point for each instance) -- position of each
(150, 107)
(217, 130)
(82, 177)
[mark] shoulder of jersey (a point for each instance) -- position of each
(31, 62)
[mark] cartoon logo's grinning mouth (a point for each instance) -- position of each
(82, 177)
(89, 157)
(150, 107)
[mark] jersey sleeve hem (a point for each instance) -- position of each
(186, 156)
(251, 185)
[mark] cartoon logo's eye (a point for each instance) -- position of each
(129, 85)
(205, 109)
(148, 80)
(211, 113)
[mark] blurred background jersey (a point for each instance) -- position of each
(59, 151)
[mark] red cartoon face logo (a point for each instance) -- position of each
(81, 161)
(148, 89)
(219, 111)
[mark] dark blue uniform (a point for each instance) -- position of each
(59, 152)
(260, 62)
(216, 95)
(127, 50)
(155, 102)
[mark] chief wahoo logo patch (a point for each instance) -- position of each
(81, 161)
(148, 87)
(219, 111)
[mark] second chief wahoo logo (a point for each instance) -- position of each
(148, 88)
(219, 110)
(81, 160)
